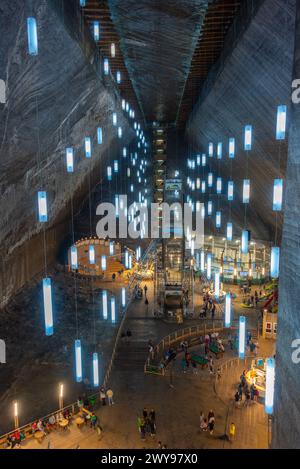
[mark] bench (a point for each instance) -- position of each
(200, 361)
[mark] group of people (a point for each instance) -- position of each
(207, 423)
(208, 306)
(147, 423)
(108, 394)
(251, 393)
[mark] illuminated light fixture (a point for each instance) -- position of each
(92, 254)
(109, 173)
(48, 313)
(123, 104)
(209, 207)
(78, 361)
(96, 30)
(113, 309)
(74, 257)
(114, 118)
(70, 160)
(116, 166)
(123, 297)
(227, 310)
(246, 191)
(113, 49)
(87, 147)
(210, 149)
(242, 336)
(217, 284)
(248, 137)
(229, 231)
(275, 255)
(203, 187)
(203, 211)
(203, 162)
(82, 3)
(202, 261)
(32, 36)
(119, 78)
(198, 160)
(208, 266)
(95, 370)
(281, 122)
(277, 194)
(126, 259)
(230, 190)
(231, 149)
(219, 185)
(120, 132)
(192, 247)
(218, 219)
(111, 248)
(104, 304)
(219, 150)
(42, 206)
(103, 262)
(270, 385)
(198, 183)
(210, 179)
(130, 262)
(131, 188)
(99, 135)
(128, 172)
(106, 66)
(245, 242)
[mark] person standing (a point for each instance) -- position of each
(141, 427)
(232, 431)
(103, 396)
(201, 418)
(152, 422)
(110, 395)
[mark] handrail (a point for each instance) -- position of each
(74, 405)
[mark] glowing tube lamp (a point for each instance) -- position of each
(227, 310)
(70, 160)
(82, 3)
(114, 118)
(210, 149)
(229, 231)
(124, 152)
(219, 185)
(208, 266)
(99, 135)
(203, 187)
(231, 149)
(209, 207)
(123, 297)
(113, 49)
(116, 166)
(118, 77)
(96, 30)
(106, 66)
(95, 370)
(32, 36)
(270, 384)
(281, 122)
(92, 254)
(87, 147)
(219, 150)
(78, 361)
(120, 132)
(103, 262)
(275, 255)
(202, 261)
(218, 219)
(111, 248)
(277, 194)
(203, 160)
(230, 190)
(248, 137)
(104, 304)
(210, 179)
(113, 309)
(48, 313)
(246, 191)
(74, 257)
(42, 205)
(245, 242)
(109, 173)
(242, 337)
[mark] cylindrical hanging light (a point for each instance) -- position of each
(227, 310)
(270, 385)
(78, 361)
(242, 337)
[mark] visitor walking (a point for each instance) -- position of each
(141, 427)
(103, 395)
(110, 394)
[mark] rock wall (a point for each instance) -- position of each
(54, 100)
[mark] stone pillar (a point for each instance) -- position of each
(286, 423)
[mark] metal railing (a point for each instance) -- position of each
(154, 358)
(73, 407)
